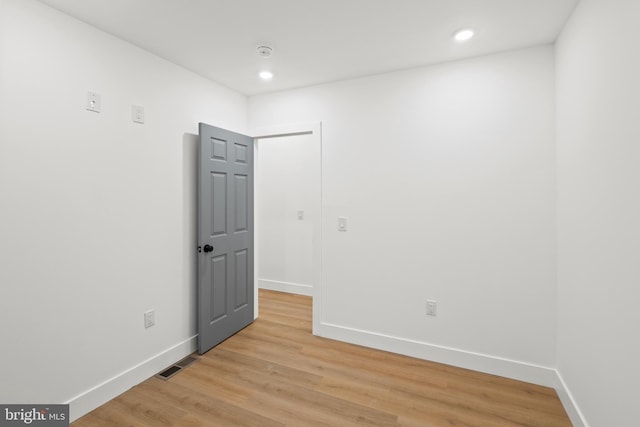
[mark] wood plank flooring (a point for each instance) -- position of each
(275, 373)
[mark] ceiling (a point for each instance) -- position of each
(318, 41)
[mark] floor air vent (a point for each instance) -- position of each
(177, 367)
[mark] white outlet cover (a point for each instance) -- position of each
(149, 318)
(137, 114)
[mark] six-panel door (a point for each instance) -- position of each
(225, 223)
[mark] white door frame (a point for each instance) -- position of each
(315, 130)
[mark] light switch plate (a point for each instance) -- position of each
(342, 224)
(93, 102)
(432, 308)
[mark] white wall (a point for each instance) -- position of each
(599, 210)
(447, 176)
(97, 212)
(285, 242)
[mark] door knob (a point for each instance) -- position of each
(208, 248)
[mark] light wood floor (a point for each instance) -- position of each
(275, 373)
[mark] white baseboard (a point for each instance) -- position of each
(291, 288)
(569, 403)
(111, 388)
(535, 374)
(522, 371)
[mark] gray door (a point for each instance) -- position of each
(225, 235)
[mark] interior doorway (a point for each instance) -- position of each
(288, 211)
(285, 220)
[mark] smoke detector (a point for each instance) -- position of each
(265, 51)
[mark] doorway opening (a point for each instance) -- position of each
(288, 226)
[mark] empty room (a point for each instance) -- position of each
(305, 212)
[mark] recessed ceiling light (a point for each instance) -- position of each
(266, 75)
(463, 35)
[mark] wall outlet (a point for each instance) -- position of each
(149, 318)
(432, 308)
(137, 114)
(342, 224)
(93, 102)
(300, 215)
